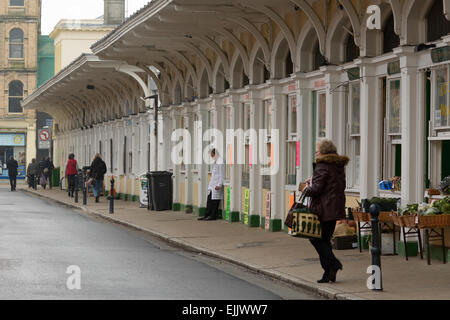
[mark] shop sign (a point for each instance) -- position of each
(353, 74)
(12, 139)
(440, 54)
(292, 87)
(246, 205)
(320, 84)
(44, 139)
(393, 68)
(267, 226)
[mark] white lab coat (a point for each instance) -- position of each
(217, 179)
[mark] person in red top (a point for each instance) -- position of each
(71, 173)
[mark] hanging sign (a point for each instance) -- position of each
(393, 67)
(353, 74)
(440, 54)
(297, 163)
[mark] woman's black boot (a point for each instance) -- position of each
(334, 270)
(325, 278)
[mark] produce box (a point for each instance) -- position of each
(345, 242)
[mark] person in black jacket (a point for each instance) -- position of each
(327, 192)
(98, 170)
(12, 166)
(47, 168)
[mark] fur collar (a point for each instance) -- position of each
(334, 159)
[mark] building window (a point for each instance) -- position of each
(354, 137)
(291, 143)
(16, 44)
(16, 3)
(245, 125)
(441, 118)
(393, 136)
(15, 96)
(197, 142)
(267, 124)
(439, 166)
(229, 151)
(321, 116)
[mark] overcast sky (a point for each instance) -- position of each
(55, 10)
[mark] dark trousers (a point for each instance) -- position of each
(13, 182)
(323, 246)
(71, 183)
(212, 207)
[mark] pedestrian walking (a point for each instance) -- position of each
(98, 170)
(327, 191)
(32, 174)
(47, 168)
(71, 174)
(12, 167)
(215, 187)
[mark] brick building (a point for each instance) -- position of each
(19, 27)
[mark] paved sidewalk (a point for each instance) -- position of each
(276, 254)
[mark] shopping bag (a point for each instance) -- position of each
(305, 223)
(296, 206)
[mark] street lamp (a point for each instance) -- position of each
(155, 98)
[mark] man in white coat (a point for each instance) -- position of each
(215, 187)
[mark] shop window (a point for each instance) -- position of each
(354, 135)
(267, 123)
(197, 126)
(390, 39)
(321, 116)
(440, 125)
(16, 3)
(16, 44)
(437, 25)
(111, 156)
(393, 136)
(183, 165)
(124, 155)
(441, 118)
(229, 152)
(291, 140)
(15, 91)
(245, 125)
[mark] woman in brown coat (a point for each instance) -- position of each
(327, 192)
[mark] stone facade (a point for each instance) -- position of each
(23, 69)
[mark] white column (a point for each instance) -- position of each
(278, 178)
(237, 111)
(371, 134)
(256, 113)
(305, 132)
(413, 128)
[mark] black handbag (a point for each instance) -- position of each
(296, 206)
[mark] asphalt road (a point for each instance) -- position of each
(40, 240)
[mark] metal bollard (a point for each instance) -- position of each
(84, 189)
(111, 197)
(76, 188)
(376, 241)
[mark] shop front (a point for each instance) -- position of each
(12, 144)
